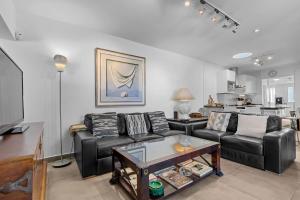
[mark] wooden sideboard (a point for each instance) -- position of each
(23, 169)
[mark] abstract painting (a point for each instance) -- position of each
(120, 79)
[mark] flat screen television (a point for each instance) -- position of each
(11, 93)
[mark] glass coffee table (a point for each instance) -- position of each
(151, 157)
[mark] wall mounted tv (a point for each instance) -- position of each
(11, 93)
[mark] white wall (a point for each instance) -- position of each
(7, 13)
(43, 38)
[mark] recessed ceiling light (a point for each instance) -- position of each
(257, 60)
(270, 57)
(242, 55)
(187, 3)
(276, 79)
(201, 11)
(256, 30)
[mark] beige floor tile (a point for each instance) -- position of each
(239, 182)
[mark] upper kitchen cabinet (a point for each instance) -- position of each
(248, 82)
(226, 81)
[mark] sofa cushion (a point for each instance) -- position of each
(252, 125)
(158, 121)
(171, 132)
(105, 145)
(136, 124)
(274, 124)
(102, 124)
(209, 134)
(233, 121)
(144, 137)
(243, 143)
(122, 122)
(218, 121)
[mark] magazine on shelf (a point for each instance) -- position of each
(175, 179)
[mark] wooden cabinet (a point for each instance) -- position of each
(23, 169)
(225, 81)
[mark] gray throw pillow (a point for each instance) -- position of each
(159, 122)
(104, 125)
(136, 124)
(218, 121)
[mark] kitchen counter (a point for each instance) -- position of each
(274, 107)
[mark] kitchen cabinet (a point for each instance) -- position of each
(249, 82)
(226, 81)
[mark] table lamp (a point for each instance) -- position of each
(184, 97)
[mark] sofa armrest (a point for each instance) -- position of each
(279, 149)
(85, 148)
(200, 125)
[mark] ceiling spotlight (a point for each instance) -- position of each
(276, 79)
(234, 30)
(187, 3)
(270, 57)
(256, 30)
(201, 11)
(257, 60)
(214, 19)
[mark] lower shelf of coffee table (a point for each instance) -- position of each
(168, 188)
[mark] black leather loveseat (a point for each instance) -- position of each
(275, 152)
(93, 155)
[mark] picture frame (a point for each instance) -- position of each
(120, 79)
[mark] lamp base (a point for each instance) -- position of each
(184, 108)
(61, 163)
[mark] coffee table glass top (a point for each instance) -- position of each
(160, 148)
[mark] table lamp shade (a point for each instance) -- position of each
(183, 94)
(60, 62)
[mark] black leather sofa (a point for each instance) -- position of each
(275, 152)
(93, 155)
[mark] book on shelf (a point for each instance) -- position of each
(157, 173)
(175, 179)
(198, 168)
(131, 177)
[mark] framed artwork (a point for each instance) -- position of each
(120, 79)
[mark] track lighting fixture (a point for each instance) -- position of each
(261, 60)
(218, 16)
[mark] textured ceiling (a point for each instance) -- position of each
(167, 24)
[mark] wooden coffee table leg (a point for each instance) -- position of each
(215, 160)
(143, 185)
(115, 175)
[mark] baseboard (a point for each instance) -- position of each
(54, 158)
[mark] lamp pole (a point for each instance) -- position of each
(60, 63)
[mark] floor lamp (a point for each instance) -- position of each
(60, 63)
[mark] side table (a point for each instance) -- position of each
(187, 125)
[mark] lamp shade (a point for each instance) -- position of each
(183, 94)
(60, 62)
